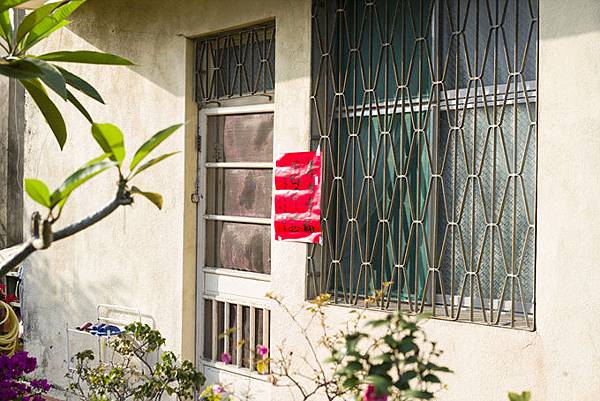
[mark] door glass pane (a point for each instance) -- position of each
(240, 138)
(238, 246)
(239, 192)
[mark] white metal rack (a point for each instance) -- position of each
(109, 314)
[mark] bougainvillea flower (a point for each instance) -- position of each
(226, 358)
(262, 350)
(371, 394)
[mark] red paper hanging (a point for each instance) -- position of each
(298, 197)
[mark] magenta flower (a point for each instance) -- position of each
(262, 350)
(226, 358)
(217, 389)
(371, 394)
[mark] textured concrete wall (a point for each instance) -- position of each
(136, 257)
(142, 258)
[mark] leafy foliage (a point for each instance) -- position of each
(37, 72)
(387, 359)
(41, 73)
(111, 141)
(393, 354)
(131, 375)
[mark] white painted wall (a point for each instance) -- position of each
(143, 258)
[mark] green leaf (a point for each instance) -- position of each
(432, 366)
(38, 191)
(431, 378)
(78, 178)
(110, 139)
(6, 4)
(377, 323)
(50, 23)
(524, 396)
(48, 109)
(420, 395)
(350, 383)
(42, 31)
(151, 144)
(20, 69)
(34, 18)
(51, 76)
(75, 102)
(85, 57)
(80, 84)
(153, 197)
(406, 345)
(354, 366)
(152, 162)
(6, 30)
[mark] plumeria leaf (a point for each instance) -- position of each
(110, 139)
(50, 23)
(75, 102)
(6, 4)
(42, 31)
(51, 76)
(80, 84)
(38, 191)
(151, 144)
(6, 29)
(78, 178)
(152, 162)
(153, 197)
(34, 18)
(20, 69)
(85, 57)
(48, 109)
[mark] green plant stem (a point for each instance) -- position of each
(27, 248)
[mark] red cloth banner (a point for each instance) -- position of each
(298, 197)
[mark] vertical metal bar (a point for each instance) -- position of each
(514, 166)
(496, 130)
(215, 330)
(252, 339)
(239, 335)
(266, 330)
(435, 138)
(225, 329)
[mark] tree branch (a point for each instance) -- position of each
(27, 248)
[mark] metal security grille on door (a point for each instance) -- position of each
(236, 64)
(426, 114)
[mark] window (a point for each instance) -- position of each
(426, 113)
(239, 169)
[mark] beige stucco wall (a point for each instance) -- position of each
(143, 258)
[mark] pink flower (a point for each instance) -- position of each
(226, 358)
(262, 350)
(217, 389)
(371, 394)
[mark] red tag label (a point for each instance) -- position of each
(298, 197)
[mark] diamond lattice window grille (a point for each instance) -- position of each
(236, 64)
(426, 113)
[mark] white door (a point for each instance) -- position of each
(235, 165)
